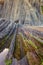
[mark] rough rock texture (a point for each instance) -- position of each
(21, 10)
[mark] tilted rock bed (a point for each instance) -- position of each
(6, 33)
(27, 52)
(3, 43)
(25, 47)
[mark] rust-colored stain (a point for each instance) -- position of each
(2, 2)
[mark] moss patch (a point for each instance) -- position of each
(8, 62)
(42, 9)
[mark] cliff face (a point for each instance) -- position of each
(1, 7)
(9, 8)
(20, 10)
(13, 9)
